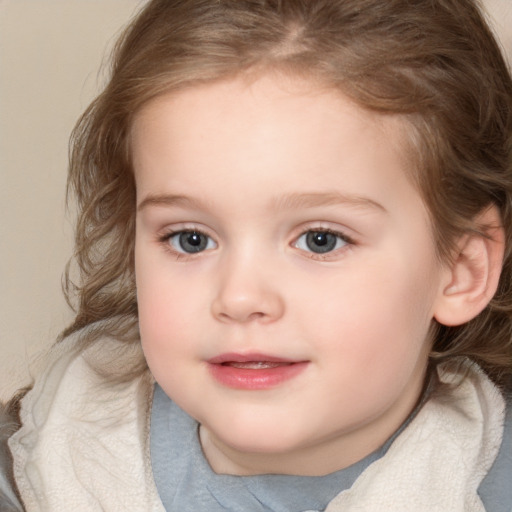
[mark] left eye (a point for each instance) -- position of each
(320, 242)
(191, 242)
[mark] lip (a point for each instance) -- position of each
(253, 371)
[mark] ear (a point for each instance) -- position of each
(473, 276)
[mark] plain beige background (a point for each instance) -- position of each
(50, 56)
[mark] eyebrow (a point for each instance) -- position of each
(287, 202)
(315, 199)
(167, 200)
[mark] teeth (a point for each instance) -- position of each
(254, 365)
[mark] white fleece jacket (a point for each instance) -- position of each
(84, 443)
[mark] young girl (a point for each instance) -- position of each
(294, 247)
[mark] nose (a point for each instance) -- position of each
(246, 293)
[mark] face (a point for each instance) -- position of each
(286, 272)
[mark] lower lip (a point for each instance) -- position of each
(255, 379)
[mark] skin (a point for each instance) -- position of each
(254, 166)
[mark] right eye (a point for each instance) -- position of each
(190, 241)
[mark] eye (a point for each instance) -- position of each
(190, 242)
(321, 241)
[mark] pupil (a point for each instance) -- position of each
(191, 241)
(194, 239)
(320, 238)
(320, 241)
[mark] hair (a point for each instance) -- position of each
(435, 63)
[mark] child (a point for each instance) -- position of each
(294, 247)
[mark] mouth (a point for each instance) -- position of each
(254, 365)
(253, 371)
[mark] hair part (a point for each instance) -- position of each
(434, 63)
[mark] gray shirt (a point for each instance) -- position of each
(185, 480)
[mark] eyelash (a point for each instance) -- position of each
(165, 240)
(330, 254)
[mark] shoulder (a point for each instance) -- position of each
(8, 500)
(496, 489)
(84, 427)
(76, 375)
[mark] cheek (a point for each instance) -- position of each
(173, 316)
(160, 295)
(163, 334)
(170, 329)
(158, 308)
(379, 313)
(370, 341)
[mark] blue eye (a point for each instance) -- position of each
(191, 242)
(320, 242)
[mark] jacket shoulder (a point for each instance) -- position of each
(496, 490)
(8, 425)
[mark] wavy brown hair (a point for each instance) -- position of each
(433, 62)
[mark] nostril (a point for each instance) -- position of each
(256, 315)
(239, 316)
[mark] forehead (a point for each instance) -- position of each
(252, 115)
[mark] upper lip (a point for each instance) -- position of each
(250, 357)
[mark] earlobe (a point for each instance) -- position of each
(473, 276)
